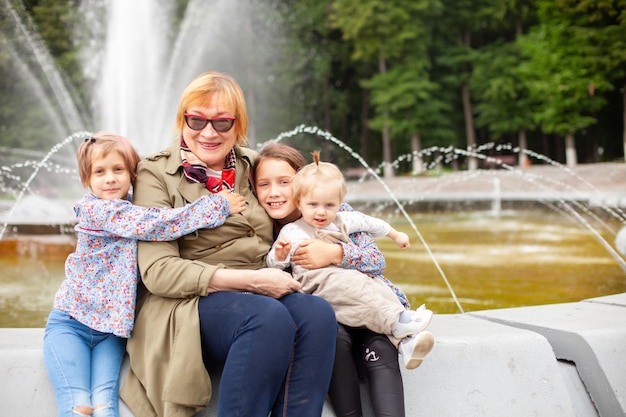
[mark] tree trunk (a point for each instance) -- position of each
(251, 105)
(382, 67)
(570, 150)
(523, 145)
(364, 130)
(624, 120)
(326, 101)
(416, 148)
(328, 145)
(472, 163)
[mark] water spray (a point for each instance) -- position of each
(70, 139)
(327, 136)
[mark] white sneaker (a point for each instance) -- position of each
(413, 349)
(419, 322)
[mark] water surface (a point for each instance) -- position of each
(519, 258)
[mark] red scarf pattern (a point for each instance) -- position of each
(196, 171)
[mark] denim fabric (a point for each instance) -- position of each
(83, 365)
(277, 354)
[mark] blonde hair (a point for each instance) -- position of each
(200, 92)
(102, 144)
(317, 174)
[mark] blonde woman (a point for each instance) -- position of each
(208, 299)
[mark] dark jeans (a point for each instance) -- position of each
(362, 349)
(277, 354)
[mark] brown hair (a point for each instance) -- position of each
(282, 152)
(318, 174)
(201, 90)
(101, 144)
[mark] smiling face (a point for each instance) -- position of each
(273, 186)
(109, 177)
(210, 146)
(319, 205)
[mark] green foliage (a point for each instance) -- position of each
(500, 92)
(396, 35)
(354, 67)
(562, 84)
(56, 22)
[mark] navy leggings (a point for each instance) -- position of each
(277, 355)
(362, 349)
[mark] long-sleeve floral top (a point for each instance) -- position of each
(101, 275)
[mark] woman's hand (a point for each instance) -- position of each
(274, 283)
(314, 254)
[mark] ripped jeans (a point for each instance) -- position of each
(83, 366)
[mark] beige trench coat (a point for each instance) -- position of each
(167, 376)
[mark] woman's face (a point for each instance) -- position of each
(273, 187)
(209, 146)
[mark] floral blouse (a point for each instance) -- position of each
(101, 275)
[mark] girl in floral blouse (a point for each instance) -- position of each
(93, 313)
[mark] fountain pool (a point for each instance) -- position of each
(519, 258)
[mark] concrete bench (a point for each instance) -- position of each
(556, 360)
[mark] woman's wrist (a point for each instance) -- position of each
(338, 258)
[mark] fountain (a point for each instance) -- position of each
(132, 54)
(485, 239)
(559, 236)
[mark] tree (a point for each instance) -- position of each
(600, 27)
(465, 21)
(385, 32)
(325, 91)
(561, 82)
(502, 97)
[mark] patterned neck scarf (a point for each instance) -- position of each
(196, 171)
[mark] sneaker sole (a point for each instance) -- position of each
(423, 346)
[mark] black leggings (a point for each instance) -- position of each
(362, 349)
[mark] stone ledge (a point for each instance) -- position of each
(510, 362)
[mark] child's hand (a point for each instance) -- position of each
(236, 201)
(281, 249)
(402, 240)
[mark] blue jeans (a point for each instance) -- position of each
(277, 354)
(83, 365)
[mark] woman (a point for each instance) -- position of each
(208, 298)
(356, 347)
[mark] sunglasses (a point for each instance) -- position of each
(220, 124)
